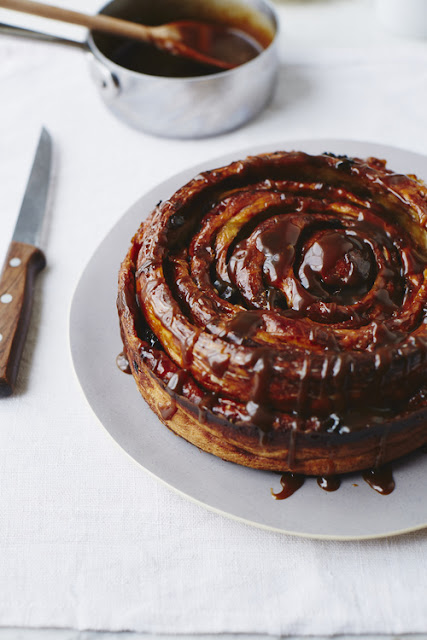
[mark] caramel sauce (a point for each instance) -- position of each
(290, 482)
(243, 325)
(177, 381)
(380, 479)
(173, 388)
(168, 411)
(232, 46)
(204, 405)
(123, 363)
(218, 362)
(336, 264)
(329, 483)
(278, 245)
(258, 409)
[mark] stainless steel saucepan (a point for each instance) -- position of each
(145, 95)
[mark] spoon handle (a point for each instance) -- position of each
(99, 22)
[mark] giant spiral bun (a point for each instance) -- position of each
(274, 312)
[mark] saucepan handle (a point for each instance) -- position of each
(107, 82)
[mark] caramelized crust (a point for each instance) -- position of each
(273, 312)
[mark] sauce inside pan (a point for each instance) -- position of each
(248, 33)
(146, 58)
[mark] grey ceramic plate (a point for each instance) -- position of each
(354, 511)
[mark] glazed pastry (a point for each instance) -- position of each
(274, 312)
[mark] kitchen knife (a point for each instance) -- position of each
(23, 262)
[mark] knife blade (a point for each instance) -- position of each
(23, 262)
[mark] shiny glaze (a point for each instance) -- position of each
(292, 293)
(335, 269)
(260, 413)
(243, 326)
(168, 411)
(381, 479)
(329, 483)
(123, 363)
(174, 388)
(335, 263)
(290, 482)
(312, 265)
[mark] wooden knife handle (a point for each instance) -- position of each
(22, 264)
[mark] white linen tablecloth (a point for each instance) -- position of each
(89, 540)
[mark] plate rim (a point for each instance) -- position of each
(178, 177)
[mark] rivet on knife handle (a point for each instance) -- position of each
(17, 281)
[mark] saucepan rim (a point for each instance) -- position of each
(265, 6)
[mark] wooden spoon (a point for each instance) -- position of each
(187, 38)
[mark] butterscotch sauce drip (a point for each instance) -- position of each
(329, 483)
(177, 382)
(380, 479)
(290, 482)
(258, 409)
(168, 411)
(123, 363)
(173, 388)
(205, 405)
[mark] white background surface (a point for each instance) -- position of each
(87, 539)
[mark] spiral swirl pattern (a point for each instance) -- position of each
(285, 293)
